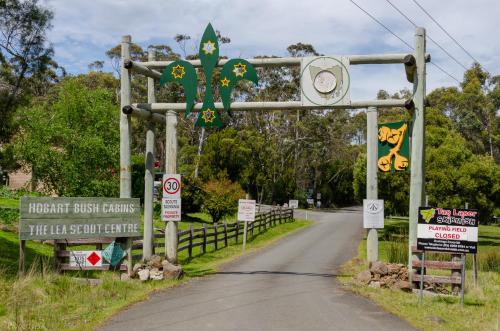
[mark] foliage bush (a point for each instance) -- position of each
(70, 140)
(454, 175)
(138, 171)
(221, 197)
(15, 194)
(8, 218)
(393, 188)
(191, 194)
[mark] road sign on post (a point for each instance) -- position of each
(373, 214)
(447, 230)
(293, 204)
(83, 259)
(171, 202)
(246, 213)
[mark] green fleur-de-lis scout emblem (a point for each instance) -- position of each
(184, 73)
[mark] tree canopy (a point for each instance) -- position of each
(70, 141)
(67, 130)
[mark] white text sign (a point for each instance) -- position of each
(373, 214)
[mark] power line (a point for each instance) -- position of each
(435, 42)
(403, 41)
(445, 72)
(444, 30)
(380, 23)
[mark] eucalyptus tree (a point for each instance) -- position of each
(25, 56)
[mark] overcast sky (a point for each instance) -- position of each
(83, 31)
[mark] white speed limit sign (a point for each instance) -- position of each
(172, 186)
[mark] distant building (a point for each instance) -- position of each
(19, 179)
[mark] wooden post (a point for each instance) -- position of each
(191, 234)
(245, 227)
(22, 257)
(215, 236)
(474, 268)
(422, 268)
(225, 234)
(147, 247)
(237, 227)
(125, 134)
(371, 177)
(462, 283)
(456, 288)
(417, 177)
(204, 244)
(171, 168)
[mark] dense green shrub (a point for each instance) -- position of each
(191, 194)
(221, 197)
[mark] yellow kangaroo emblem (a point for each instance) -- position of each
(393, 137)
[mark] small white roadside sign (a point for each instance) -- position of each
(246, 210)
(293, 204)
(246, 213)
(171, 201)
(170, 209)
(373, 214)
(84, 259)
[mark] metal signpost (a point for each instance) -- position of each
(325, 84)
(246, 213)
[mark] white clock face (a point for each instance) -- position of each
(325, 82)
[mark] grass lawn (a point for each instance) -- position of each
(43, 300)
(9, 203)
(481, 310)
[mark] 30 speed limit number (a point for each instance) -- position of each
(171, 202)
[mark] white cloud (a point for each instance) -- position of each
(84, 30)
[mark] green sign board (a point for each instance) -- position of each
(184, 73)
(393, 147)
(78, 218)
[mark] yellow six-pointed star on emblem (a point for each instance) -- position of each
(225, 81)
(239, 69)
(178, 71)
(208, 115)
(209, 47)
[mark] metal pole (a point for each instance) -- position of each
(198, 155)
(171, 168)
(245, 227)
(148, 244)
(371, 177)
(125, 134)
(422, 268)
(417, 180)
(474, 259)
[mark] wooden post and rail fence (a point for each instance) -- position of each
(218, 235)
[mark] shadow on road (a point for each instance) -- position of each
(264, 272)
